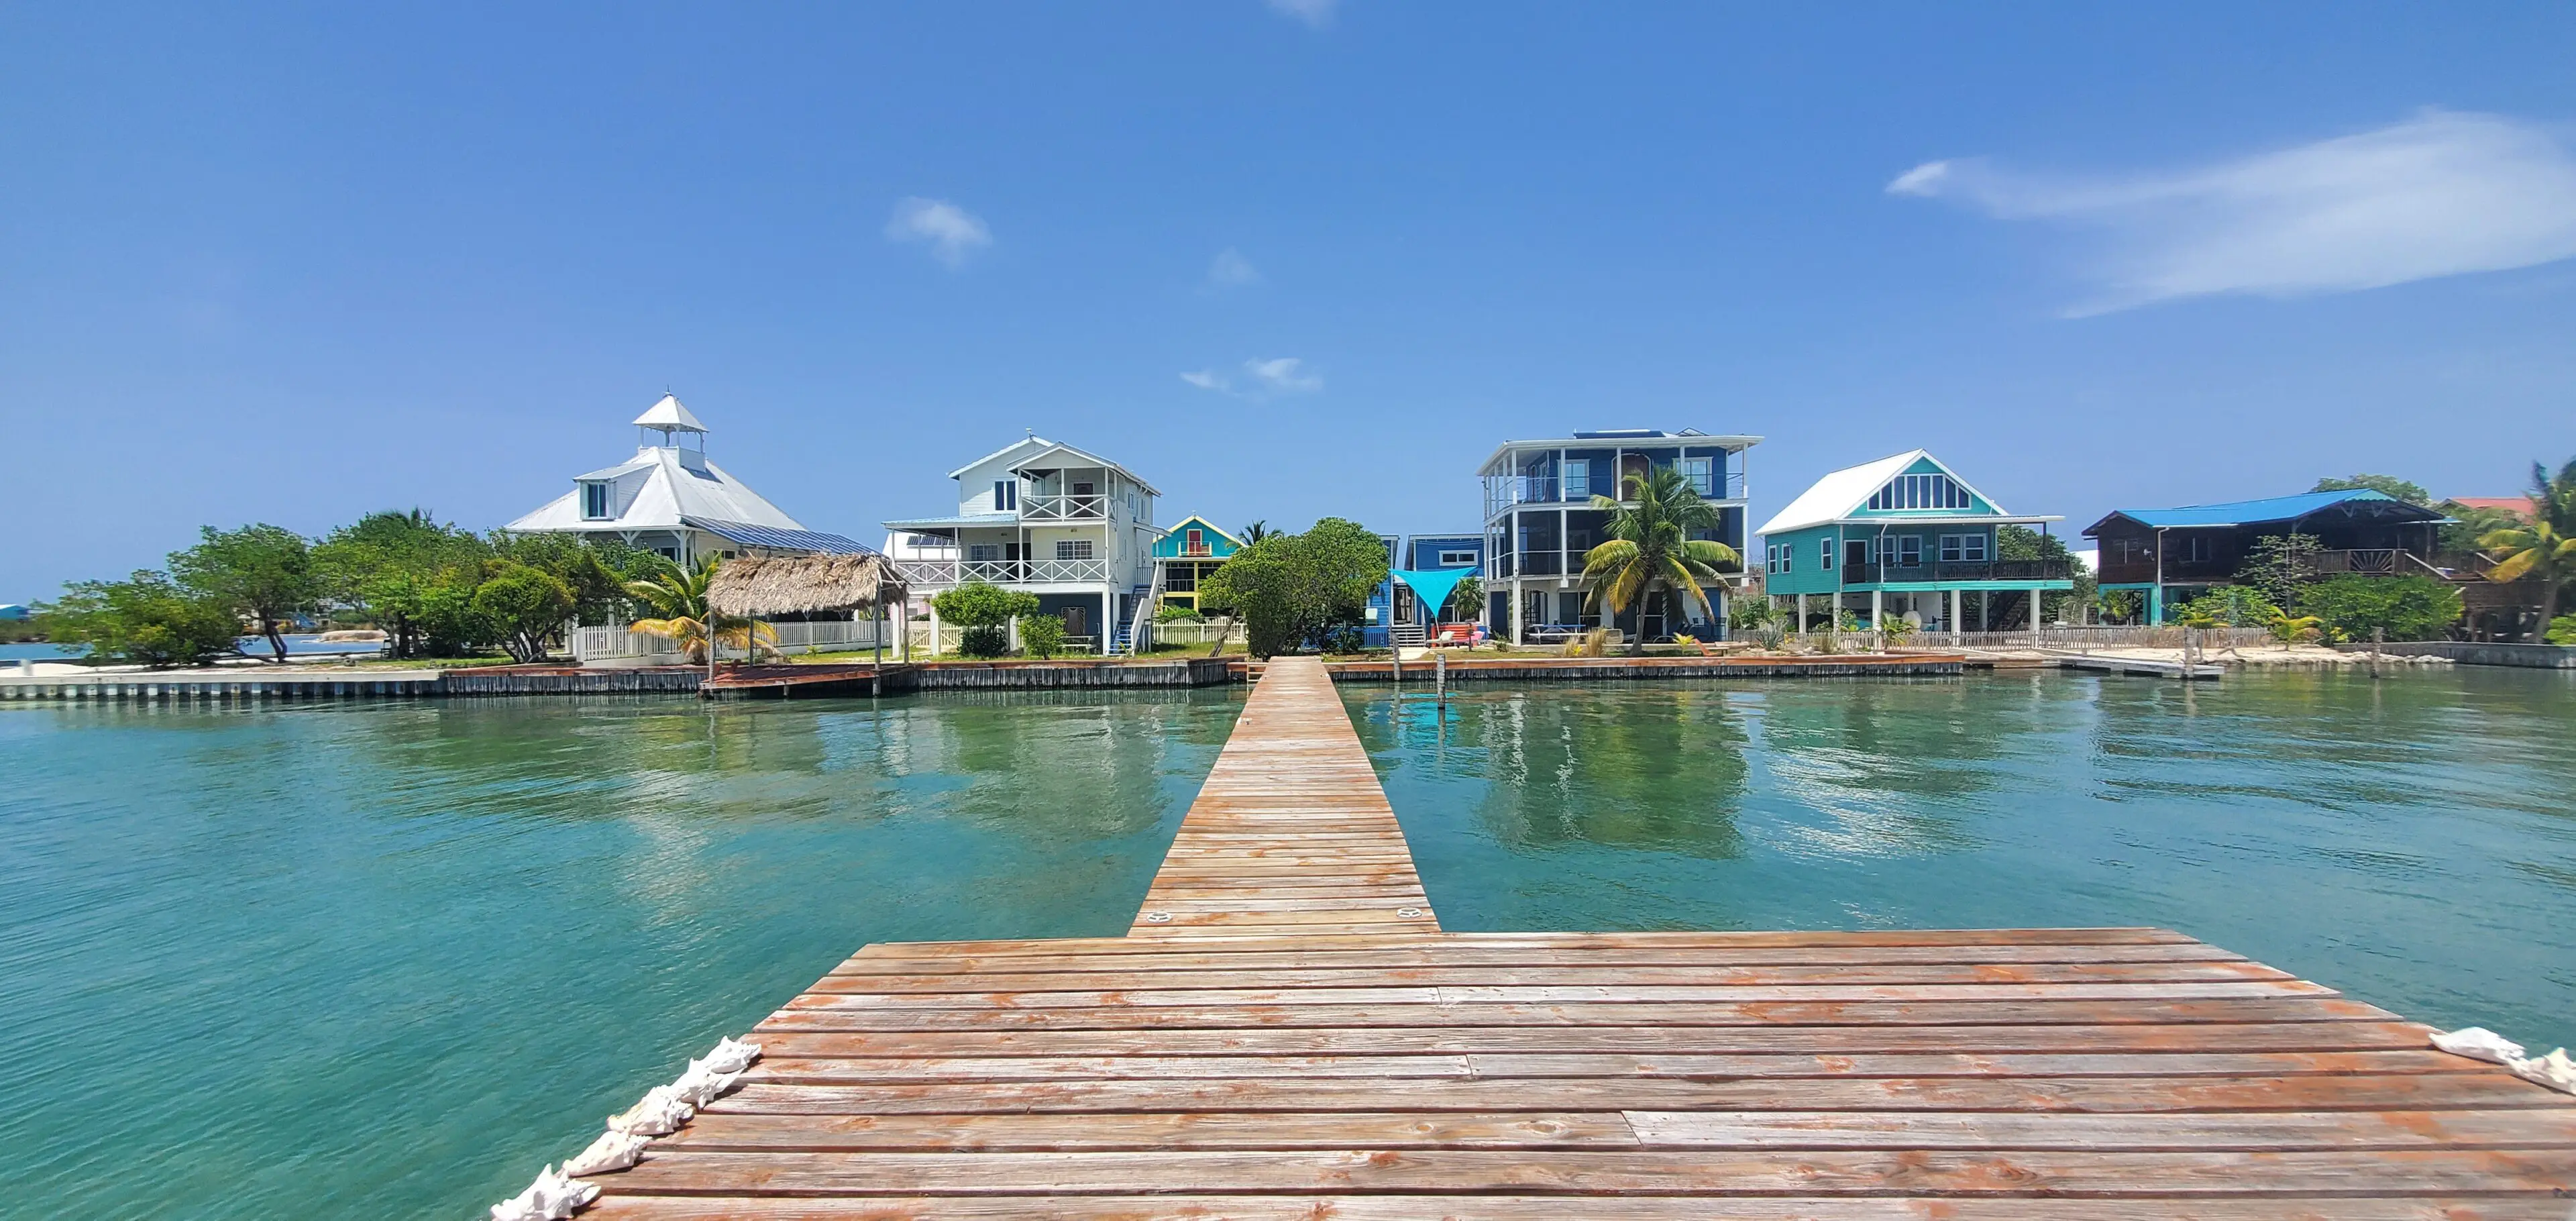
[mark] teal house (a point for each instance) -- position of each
(1186, 555)
(1903, 537)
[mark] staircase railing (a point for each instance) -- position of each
(1143, 620)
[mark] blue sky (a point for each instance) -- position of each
(291, 264)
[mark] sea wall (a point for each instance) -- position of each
(1595, 669)
(2474, 653)
(1062, 672)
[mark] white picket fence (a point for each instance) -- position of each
(615, 644)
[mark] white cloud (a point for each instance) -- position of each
(2438, 195)
(1263, 379)
(1231, 270)
(1316, 13)
(952, 232)
(1284, 375)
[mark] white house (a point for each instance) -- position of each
(1074, 528)
(670, 499)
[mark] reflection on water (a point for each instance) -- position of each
(2412, 841)
(380, 958)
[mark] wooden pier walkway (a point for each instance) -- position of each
(1288, 1044)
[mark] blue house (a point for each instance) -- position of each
(1396, 612)
(1540, 521)
(1905, 537)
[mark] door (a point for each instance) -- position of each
(1077, 621)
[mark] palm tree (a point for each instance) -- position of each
(1255, 532)
(2537, 549)
(680, 597)
(1650, 548)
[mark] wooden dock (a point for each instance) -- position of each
(1290, 1043)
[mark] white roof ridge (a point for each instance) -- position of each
(666, 412)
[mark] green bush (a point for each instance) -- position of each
(2562, 630)
(1174, 612)
(2406, 608)
(1042, 635)
(984, 640)
(145, 620)
(1292, 591)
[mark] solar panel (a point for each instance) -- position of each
(780, 540)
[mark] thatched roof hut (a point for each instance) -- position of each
(755, 587)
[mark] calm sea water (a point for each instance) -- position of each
(384, 959)
(2410, 841)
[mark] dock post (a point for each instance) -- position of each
(1440, 677)
(2377, 636)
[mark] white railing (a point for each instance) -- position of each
(1206, 631)
(615, 642)
(934, 574)
(1085, 507)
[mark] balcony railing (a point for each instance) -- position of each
(1959, 570)
(943, 573)
(1504, 491)
(1085, 507)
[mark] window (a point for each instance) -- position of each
(1702, 473)
(1578, 479)
(983, 553)
(1824, 555)
(1921, 492)
(1788, 558)
(594, 501)
(2198, 548)
(1073, 549)
(1457, 559)
(1963, 548)
(1006, 495)
(1909, 551)
(1086, 488)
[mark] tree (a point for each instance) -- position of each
(1042, 635)
(2280, 566)
(1255, 532)
(1290, 590)
(597, 572)
(397, 570)
(146, 619)
(1650, 549)
(2023, 543)
(527, 607)
(2535, 550)
(679, 598)
(1466, 600)
(2404, 608)
(985, 611)
(2226, 606)
(2385, 485)
(262, 573)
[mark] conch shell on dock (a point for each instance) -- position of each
(612, 1151)
(729, 1056)
(552, 1197)
(659, 1113)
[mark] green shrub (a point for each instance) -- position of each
(982, 608)
(146, 620)
(1042, 635)
(984, 640)
(527, 607)
(2226, 606)
(2562, 630)
(2406, 608)
(1174, 612)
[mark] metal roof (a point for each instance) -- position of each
(1841, 493)
(776, 539)
(961, 519)
(1637, 438)
(668, 413)
(2260, 512)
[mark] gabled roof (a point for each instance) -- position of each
(1033, 449)
(672, 488)
(2519, 505)
(1839, 495)
(1633, 438)
(1213, 528)
(2353, 501)
(668, 413)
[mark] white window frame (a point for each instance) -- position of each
(1006, 495)
(1963, 548)
(1702, 473)
(983, 553)
(1825, 554)
(596, 489)
(1909, 551)
(1457, 559)
(1073, 549)
(1577, 478)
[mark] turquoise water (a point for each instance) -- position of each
(2411, 841)
(383, 959)
(330, 960)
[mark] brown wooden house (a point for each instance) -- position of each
(2174, 555)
